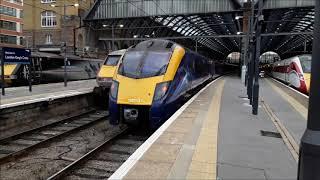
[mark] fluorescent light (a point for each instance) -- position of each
(238, 17)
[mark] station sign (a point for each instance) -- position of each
(16, 55)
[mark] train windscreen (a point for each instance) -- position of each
(112, 60)
(139, 64)
(305, 63)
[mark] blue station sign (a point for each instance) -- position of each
(16, 55)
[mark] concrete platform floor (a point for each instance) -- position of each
(215, 136)
(18, 95)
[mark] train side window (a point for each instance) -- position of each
(191, 62)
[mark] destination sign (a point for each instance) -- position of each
(16, 55)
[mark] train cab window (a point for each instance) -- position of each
(155, 64)
(131, 62)
(138, 64)
(112, 60)
(305, 63)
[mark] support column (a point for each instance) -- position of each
(255, 94)
(309, 157)
(245, 42)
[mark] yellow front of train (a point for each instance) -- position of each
(9, 73)
(143, 78)
(305, 61)
(108, 69)
(307, 78)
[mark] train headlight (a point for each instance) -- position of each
(161, 90)
(301, 76)
(114, 89)
(104, 79)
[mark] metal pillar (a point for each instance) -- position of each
(112, 29)
(196, 45)
(245, 42)
(309, 156)
(251, 53)
(30, 77)
(65, 47)
(2, 72)
(305, 45)
(251, 72)
(255, 94)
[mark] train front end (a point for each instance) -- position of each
(140, 88)
(107, 70)
(305, 62)
(10, 73)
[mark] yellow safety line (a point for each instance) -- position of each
(286, 136)
(204, 160)
(294, 103)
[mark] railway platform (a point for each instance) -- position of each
(215, 136)
(20, 95)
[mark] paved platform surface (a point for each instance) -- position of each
(215, 136)
(18, 95)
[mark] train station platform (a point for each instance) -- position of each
(215, 136)
(15, 96)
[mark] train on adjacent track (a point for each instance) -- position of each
(153, 79)
(107, 70)
(49, 67)
(294, 71)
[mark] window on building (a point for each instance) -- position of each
(48, 38)
(48, 19)
(15, 1)
(8, 39)
(8, 11)
(8, 25)
(48, 1)
(21, 13)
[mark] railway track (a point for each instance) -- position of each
(104, 160)
(14, 146)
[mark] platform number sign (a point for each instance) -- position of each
(16, 55)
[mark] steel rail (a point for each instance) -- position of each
(84, 158)
(6, 139)
(14, 155)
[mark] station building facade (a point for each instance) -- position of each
(46, 28)
(11, 23)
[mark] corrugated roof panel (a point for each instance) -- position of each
(108, 9)
(272, 4)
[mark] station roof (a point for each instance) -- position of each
(216, 25)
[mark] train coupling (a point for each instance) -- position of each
(130, 114)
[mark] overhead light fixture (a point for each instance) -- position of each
(104, 25)
(121, 25)
(238, 17)
(76, 5)
(52, 5)
(135, 36)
